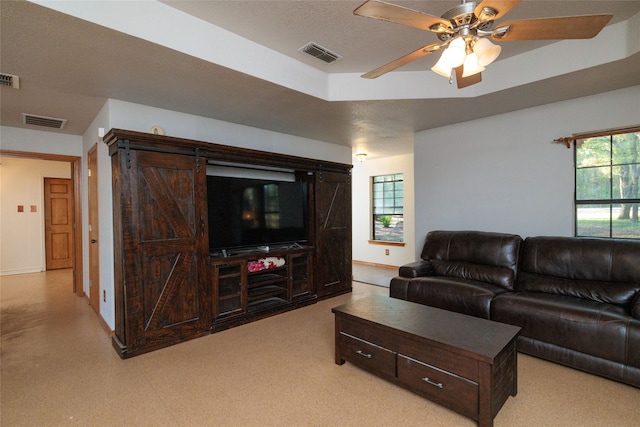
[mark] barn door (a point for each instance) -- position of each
(165, 253)
(333, 228)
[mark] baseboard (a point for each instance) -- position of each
(374, 264)
(101, 321)
(21, 271)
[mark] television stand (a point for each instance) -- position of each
(162, 284)
(226, 253)
(242, 294)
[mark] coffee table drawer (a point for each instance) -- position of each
(368, 356)
(455, 392)
(443, 359)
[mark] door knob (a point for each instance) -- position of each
(93, 240)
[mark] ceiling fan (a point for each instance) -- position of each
(465, 30)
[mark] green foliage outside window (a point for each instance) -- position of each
(607, 178)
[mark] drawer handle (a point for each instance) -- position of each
(363, 354)
(428, 381)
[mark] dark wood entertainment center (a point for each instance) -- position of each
(168, 287)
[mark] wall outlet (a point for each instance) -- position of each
(386, 251)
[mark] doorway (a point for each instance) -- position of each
(94, 234)
(76, 170)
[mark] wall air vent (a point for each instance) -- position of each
(8, 80)
(49, 122)
(320, 52)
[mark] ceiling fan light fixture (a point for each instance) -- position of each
(441, 68)
(458, 43)
(452, 57)
(486, 51)
(471, 66)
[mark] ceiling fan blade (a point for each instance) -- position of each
(463, 82)
(416, 54)
(569, 27)
(500, 6)
(400, 15)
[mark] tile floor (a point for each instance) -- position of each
(373, 275)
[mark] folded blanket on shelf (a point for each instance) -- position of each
(265, 263)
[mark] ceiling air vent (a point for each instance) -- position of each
(8, 80)
(320, 52)
(48, 122)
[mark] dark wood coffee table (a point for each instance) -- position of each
(462, 362)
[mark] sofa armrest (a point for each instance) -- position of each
(635, 307)
(416, 269)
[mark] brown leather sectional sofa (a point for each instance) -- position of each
(577, 300)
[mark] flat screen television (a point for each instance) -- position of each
(248, 213)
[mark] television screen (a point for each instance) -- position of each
(245, 213)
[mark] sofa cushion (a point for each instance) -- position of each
(484, 256)
(459, 295)
(482, 273)
(621, 294)
(605, 260)
(583, 325)
(602, 270)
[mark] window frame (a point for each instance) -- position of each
(611, 201)
(392, 178)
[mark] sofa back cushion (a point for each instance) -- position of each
(603, 270)
(474, 255)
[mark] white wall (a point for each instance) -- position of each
(90, 139)
(35, 141)
(504, 173)
(125, 115)
(362, 217)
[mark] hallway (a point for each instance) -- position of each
(49, 337)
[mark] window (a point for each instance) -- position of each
(271, 206)
(607, 177)
(387, 202)
(252, 207)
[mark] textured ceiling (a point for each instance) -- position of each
(365, 43)
(68, 68)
